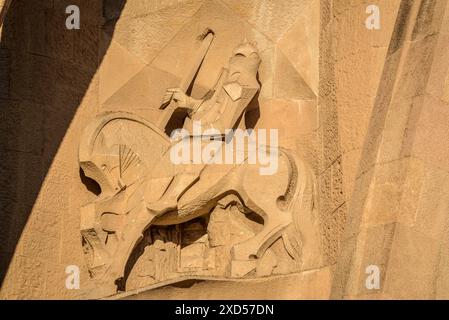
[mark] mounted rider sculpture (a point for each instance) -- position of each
(130, 159)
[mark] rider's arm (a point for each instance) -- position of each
(181, 99)
(193, 105)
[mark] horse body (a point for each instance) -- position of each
(114, 224)
(249, 190)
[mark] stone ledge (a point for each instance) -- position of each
(314, 284)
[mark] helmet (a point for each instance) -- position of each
(245, 49)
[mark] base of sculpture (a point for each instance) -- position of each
(313, 284)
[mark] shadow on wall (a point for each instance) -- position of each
(45, 71)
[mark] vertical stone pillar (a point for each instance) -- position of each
(398, 213)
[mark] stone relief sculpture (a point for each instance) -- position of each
(188, 219)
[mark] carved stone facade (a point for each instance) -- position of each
(362, 165)
(219, 218)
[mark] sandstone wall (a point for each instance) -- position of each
(397, 213)
(49, 90)
(367, 109)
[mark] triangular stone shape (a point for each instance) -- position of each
(118, 67)
(288, 82)
(300, 44)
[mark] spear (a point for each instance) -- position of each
(169, 107)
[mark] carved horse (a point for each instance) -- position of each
(124, 154)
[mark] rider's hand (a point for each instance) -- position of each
(177, 95)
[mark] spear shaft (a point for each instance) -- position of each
(207, 36)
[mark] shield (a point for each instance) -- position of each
(118, 148)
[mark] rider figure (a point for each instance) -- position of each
(223, 110)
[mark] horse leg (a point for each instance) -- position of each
(124, 217)
(138, 220)
(275, 221)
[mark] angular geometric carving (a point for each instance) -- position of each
(194, 220)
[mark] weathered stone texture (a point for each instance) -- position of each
(46, 74)
(366, 109)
